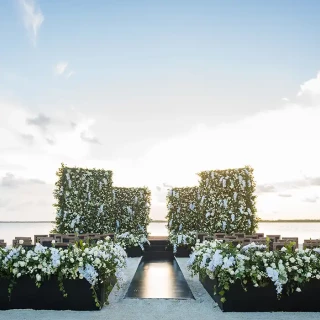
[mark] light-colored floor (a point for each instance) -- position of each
(203, 308)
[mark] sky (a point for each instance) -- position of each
(158, 91)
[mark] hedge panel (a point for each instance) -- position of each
(84, 200)
(228, 200)
(132, 209)
(183, 205)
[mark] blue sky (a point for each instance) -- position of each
(151, 89)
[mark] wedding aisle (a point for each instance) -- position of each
(202, 308)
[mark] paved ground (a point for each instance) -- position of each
(203, 308)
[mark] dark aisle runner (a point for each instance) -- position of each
(159, 279)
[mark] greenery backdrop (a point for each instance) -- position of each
(87, 202)
(229, 201)
(132, 209)
(84, 200)
(183, 205)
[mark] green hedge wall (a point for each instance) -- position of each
(183, 205)
(132, 209)
(84, 200)
(229, 200)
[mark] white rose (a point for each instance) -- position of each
(298, 290)
(38, 277)
(19, 275)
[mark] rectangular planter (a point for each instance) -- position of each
(264, 299)
(26, 295)
(183, 252)
(134, 252)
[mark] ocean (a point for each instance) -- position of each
(305, 230)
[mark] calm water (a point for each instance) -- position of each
(302, 230)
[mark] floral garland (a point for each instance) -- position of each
(84, 201)
(182, 239)
(96, 263)
(255, 264)
(228, 201)
(127, 240)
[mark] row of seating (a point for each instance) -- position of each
(59, 240)
(276, 241)
(2, 243)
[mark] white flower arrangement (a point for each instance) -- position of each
(127, 240)
(182, 239)
(96, 263)
(255, 265)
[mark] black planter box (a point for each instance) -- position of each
(264, 299)
(26, 295)
(133, 252)
(183, 252)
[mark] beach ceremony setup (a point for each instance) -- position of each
(100, 255)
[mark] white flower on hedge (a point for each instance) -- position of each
(298, 290)
(225, 203)
(38, 277)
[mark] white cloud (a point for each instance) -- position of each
(60, 68)
(32, 18)
(69, 74)
(310, 87)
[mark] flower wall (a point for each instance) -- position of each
(183, 205)
(131, 210)
(228, 201)
(84, 201)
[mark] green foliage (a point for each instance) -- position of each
(84, 200)
(183, 206)
(131, 210)
(228, 201)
